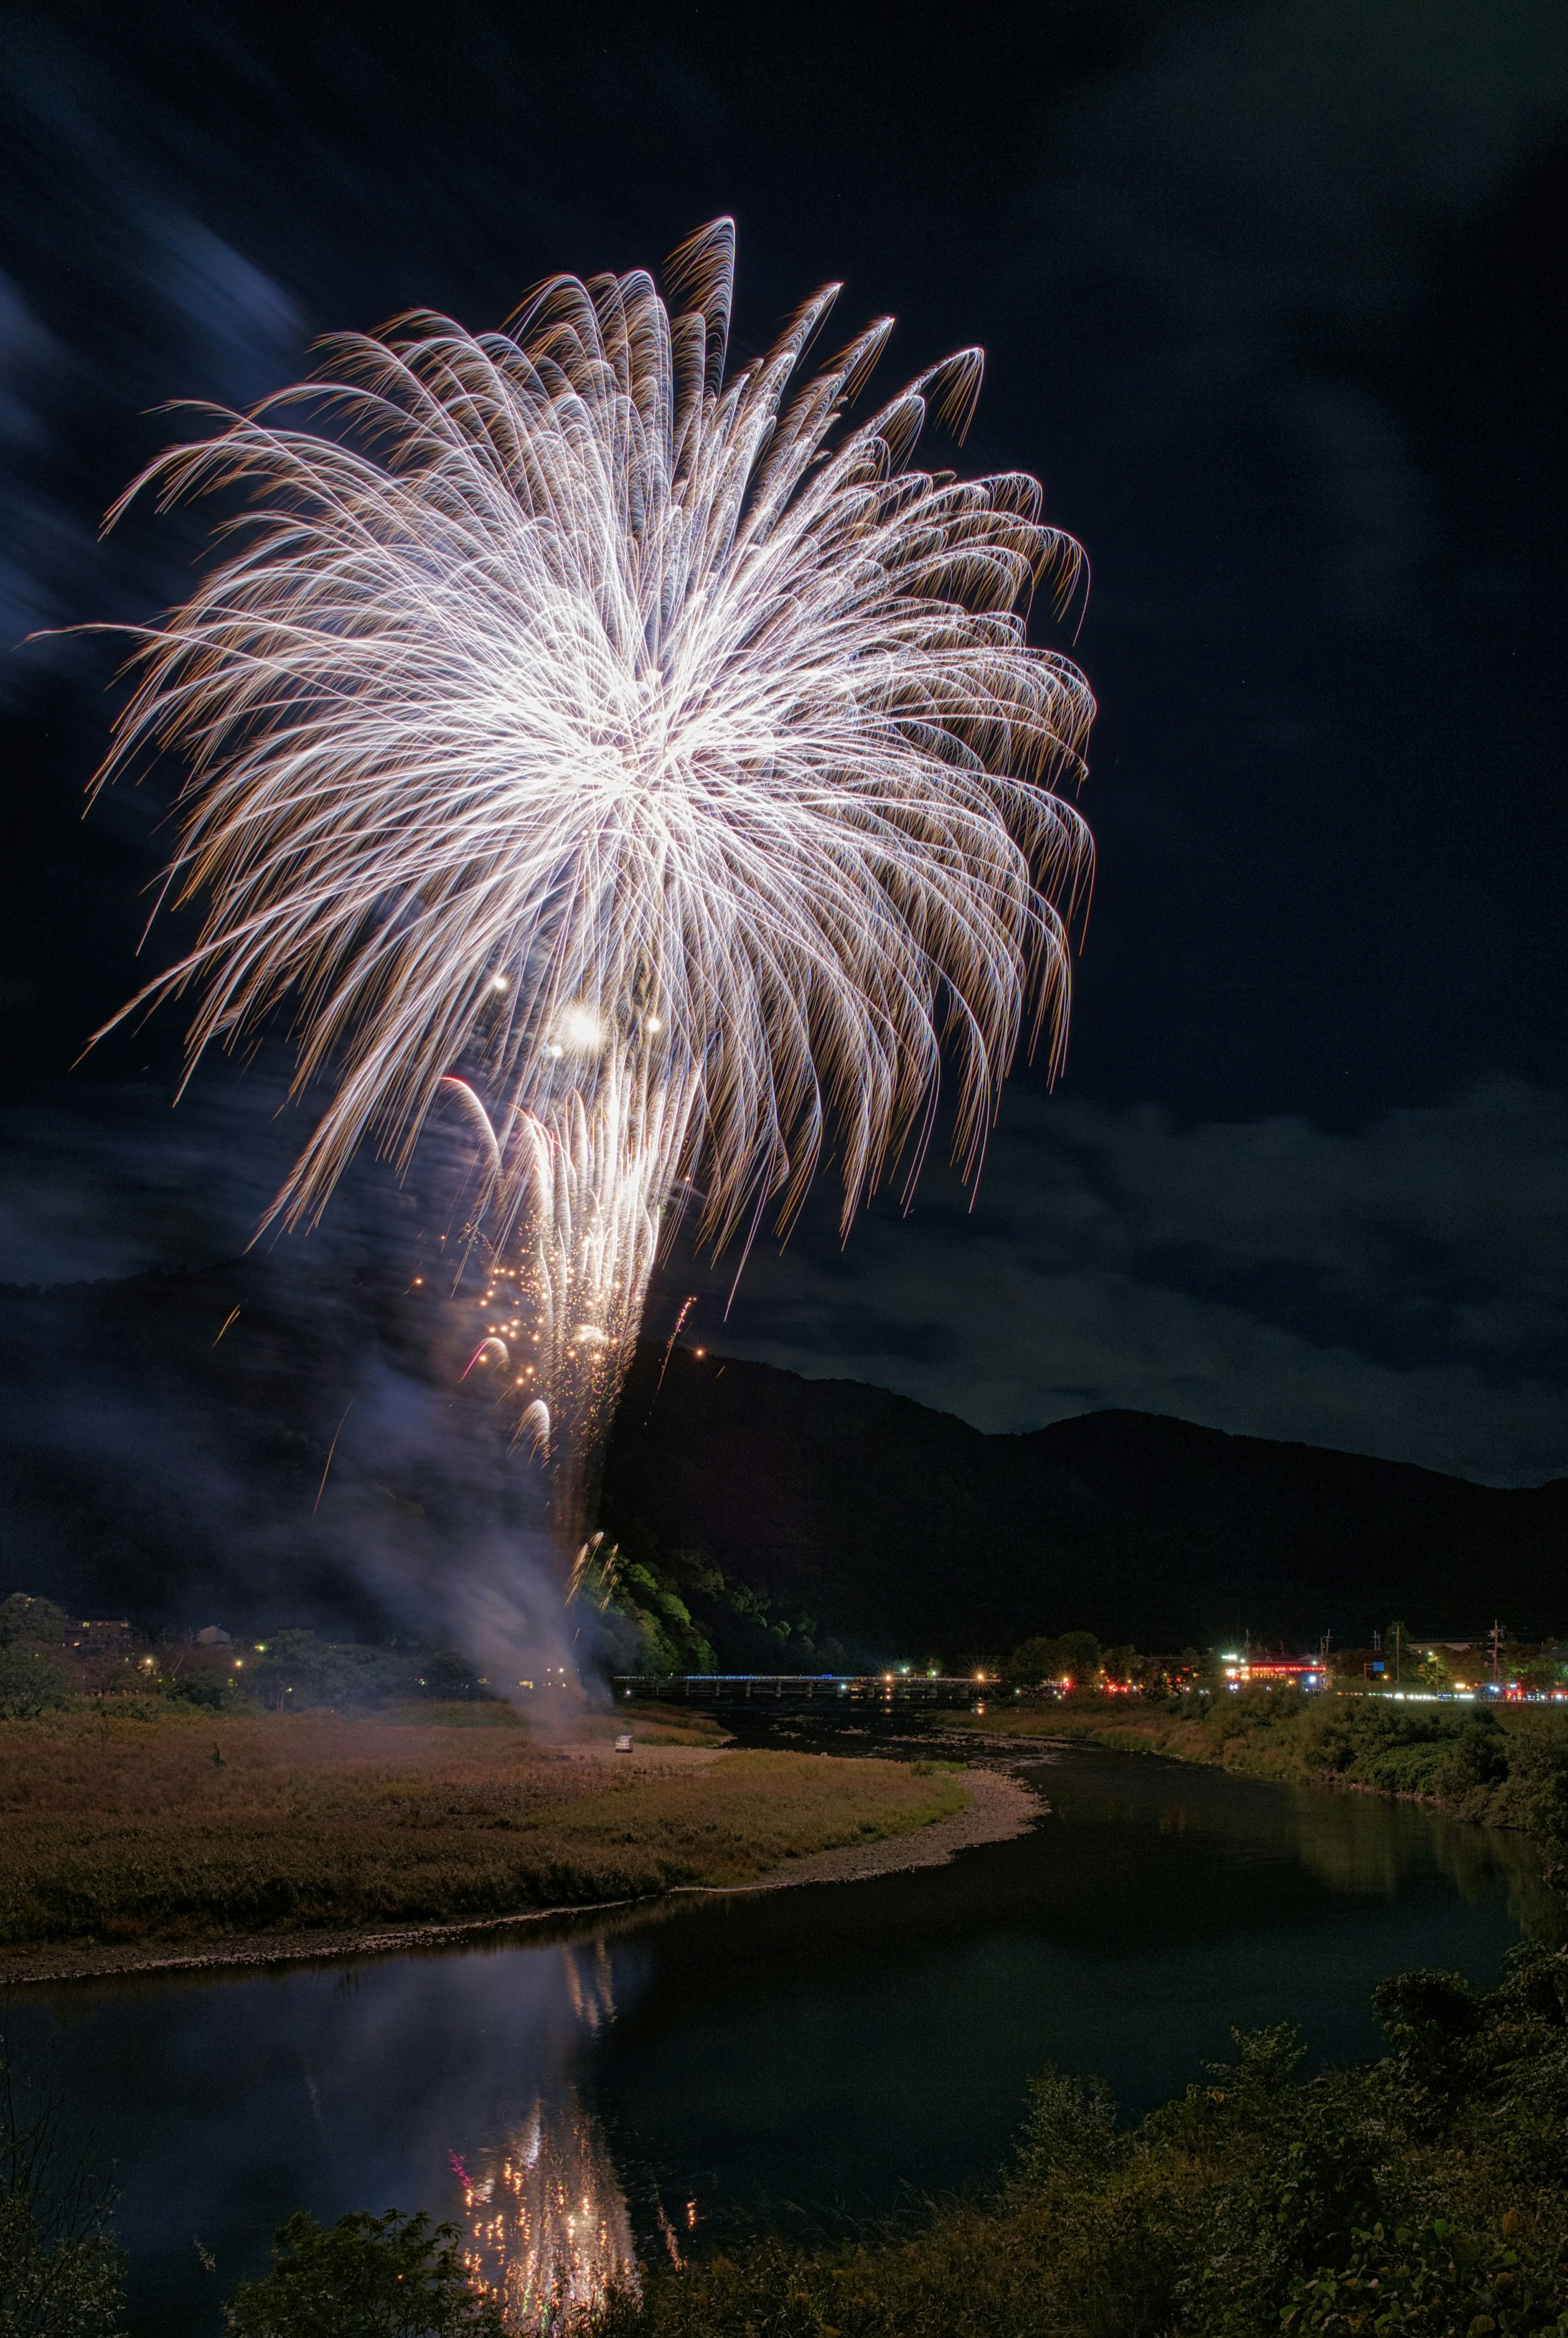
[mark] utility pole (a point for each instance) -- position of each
(1496, 1655)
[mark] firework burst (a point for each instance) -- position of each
(640, 756)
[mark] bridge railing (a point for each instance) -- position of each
(823, 1690)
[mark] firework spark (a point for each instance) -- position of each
(641, 758)
(687, 1304)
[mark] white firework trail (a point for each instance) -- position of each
(642, 756)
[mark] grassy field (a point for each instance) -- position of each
(173, 1825)
(1505, 1767)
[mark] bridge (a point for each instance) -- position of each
(797, 1692)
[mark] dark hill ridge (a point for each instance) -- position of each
(904, 1532)
(164, 1455)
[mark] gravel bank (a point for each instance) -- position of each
(1000, 1807)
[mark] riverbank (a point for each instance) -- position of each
(1505, 1767)
(1423, 2193)
(178, 1839)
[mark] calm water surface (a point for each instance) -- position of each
(643, 2083)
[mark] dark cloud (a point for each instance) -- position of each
(1396, 1290)
(113, 1178)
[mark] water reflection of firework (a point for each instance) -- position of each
(548, 2231)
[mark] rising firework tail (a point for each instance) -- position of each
(687, 1304)
(635, 758)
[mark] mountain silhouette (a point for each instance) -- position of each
(901, 1532)
(165, 1442)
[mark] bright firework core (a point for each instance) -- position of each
(639, 757)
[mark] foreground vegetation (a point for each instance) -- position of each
(1424, 2195)
(1505, 1767)
(162, 1822)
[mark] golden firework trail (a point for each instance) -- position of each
(638, 755)
(687, 1304)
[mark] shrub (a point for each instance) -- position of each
(390, 2276)
(1363, 2203)
(68, 2287)
(213, 1692)
(1424, 2280)
(30, 1684)
(1069, 2122)
(1476, 1755)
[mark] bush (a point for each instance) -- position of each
(67, 2288)
(30, 1684)
(388, 2276)
(213, 1692)
(1069, 2122)
(1425, 2282)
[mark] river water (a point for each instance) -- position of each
(606, 2090)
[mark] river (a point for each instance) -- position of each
(637, 2085)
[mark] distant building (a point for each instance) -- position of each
(112, 1633)
(1294, 1672)
(214, 1635)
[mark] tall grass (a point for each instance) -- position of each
(113, 1829)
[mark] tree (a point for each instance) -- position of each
(295, 1669)
(24, 1617)
(445, 1674)
(1536, 1669)
(1040, 1661)
(1436, 1669)
(391, 2276)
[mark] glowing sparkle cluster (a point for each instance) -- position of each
(646, 747)
(548, 2233)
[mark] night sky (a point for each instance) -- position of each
(1273, 298)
